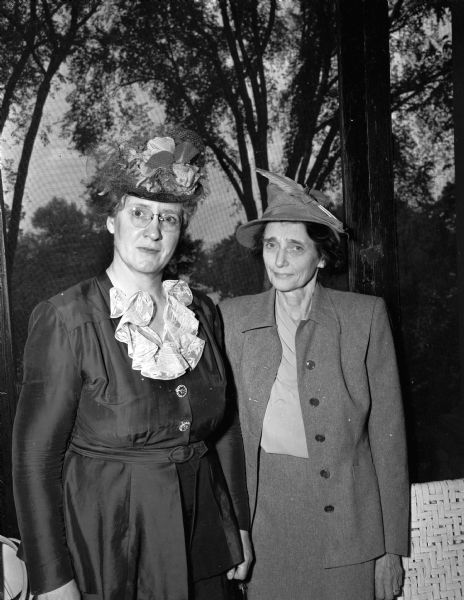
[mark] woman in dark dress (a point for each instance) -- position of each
(128, 466)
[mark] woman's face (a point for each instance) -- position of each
(290, 255)
(145, 249)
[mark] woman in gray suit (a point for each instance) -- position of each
(316, 380)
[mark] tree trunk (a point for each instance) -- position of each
(7, 391)
(23, 167)
(11, 86)
(366, 146)
(458, 81)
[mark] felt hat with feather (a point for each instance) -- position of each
(289, 201)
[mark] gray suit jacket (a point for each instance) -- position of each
(350, 394)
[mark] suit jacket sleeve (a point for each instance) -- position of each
(387, 432)
(43, 424)
(229, 445)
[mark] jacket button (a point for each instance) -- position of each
(184, 426)
(320, 438)
(181, 391)
(310, 364)
(325, 473)
(314, 401)
(329, 508)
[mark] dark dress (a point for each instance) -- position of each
(118, 478)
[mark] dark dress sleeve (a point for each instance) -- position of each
(230, 445)
(43, 424)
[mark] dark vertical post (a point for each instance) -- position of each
(7, 390)
(457, 12)
(364, 89)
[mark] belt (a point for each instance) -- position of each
(177, 454)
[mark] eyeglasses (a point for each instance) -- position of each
(141, 217)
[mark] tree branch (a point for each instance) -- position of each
(53, 38)
(323, 153)
(269, 28)
(224, 161)
(328, 169)
(241, 79)
(11, 86)
(395, 11)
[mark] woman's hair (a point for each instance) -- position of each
(327, 243)
(326, 240)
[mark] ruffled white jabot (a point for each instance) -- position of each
(177, 350)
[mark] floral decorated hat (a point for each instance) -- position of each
(168, 168)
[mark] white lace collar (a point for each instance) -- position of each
(177, 350)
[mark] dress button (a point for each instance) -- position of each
(325, 473)
(184, 426)
(329, 508)
(314, 401)
(181, 390)
(320, 438)
(310, 364)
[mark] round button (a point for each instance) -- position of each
(181, 454)
(325, 473)
(329, 508)
(181, 390)
(310, 364)
(320, 438)
(314, 401)
(184, 426)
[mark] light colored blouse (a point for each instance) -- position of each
(283, 429)
(178, 348)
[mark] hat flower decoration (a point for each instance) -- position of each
(164, 166)
(169, 168)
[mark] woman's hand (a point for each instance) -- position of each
(388, 577)
(68, 591)
(241, 570)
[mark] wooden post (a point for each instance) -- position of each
(7, 390)
(457, 12)
(364, 89)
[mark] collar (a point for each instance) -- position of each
(262, 311)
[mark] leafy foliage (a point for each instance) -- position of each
(229, 270)
(243, 73)
(206, 62)
(422, 96)
(39, 37)
(68, 247)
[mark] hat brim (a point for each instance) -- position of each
(165, 197)
(246, 234)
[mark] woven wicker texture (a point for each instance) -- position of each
(435, 569)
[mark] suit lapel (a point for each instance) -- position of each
(262, 353)
(262, 350)
(323, 310)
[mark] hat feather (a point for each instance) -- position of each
(284, 183)
(307, 196)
